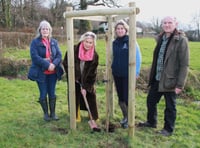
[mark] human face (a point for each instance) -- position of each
(168, 25)
(120, 30)
(44, 31)
(88, 43)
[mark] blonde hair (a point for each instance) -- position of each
(44, 23)
(88, 34)
(123, 23)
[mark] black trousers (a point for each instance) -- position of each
(121, 84)
(153, 99)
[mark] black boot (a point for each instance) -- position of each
(52, 105)
(124, 121)
(43, 103)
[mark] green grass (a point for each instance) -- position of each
(146, 45)
(22, 125)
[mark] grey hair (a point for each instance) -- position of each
(88, 34)
(123, 23)
(171, 17)
(42, 24)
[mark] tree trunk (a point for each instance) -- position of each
(8, 14)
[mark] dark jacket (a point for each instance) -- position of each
(176, 62)
(87, 79)
(39, 63)
(120, 63)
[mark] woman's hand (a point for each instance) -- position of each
(83, 91)
(51, 67)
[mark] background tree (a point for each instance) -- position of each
(196, 21)
(56, 9)
(156, 25)
(84, 25)
(5, 13)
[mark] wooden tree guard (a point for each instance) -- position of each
(71, 75)
(132, 73)
(104, 15)
(109, 78)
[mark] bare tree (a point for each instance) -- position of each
(156, 25)
(57, 8)
(6, 13)
(27, 13)
(83, 5)
(196, 21)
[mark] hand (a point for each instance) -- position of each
(83, 92)
(51, 67)
(47, 59)
(178, 90)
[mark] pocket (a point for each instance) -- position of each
(60, 71)
(170, 81)
(33, 73)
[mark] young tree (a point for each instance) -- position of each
(83, 5)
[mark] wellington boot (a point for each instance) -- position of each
(52, 105)
(43, 103)
(124, 109)
(78, 117)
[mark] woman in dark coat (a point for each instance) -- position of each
(86, 62)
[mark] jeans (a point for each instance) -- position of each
(48, 87)
(153, 99)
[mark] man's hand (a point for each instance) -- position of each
(178, 90)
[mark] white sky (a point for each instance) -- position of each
(183, 10)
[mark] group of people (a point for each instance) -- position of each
(167, 75)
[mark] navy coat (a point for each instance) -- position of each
(39, 63)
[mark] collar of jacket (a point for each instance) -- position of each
(40, 41)
(176, 34)
(122, 39)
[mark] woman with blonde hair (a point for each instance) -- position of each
(86, 62)
(120, 67)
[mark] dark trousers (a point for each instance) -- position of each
(153, 99)
(48, 87)
(121, 84)
(91, 99)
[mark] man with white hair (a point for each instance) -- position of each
(168, 74)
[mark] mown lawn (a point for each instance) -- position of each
(21, 122)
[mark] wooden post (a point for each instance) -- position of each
(131, 11)
(109, 78)
(101, 12)
(132, 71)
(71, 80)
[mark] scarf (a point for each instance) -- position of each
(47, 45)
(85, 55)
(48, 54)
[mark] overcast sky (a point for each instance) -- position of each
(182, 10)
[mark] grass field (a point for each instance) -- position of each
(22, 125)
(146, 45)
